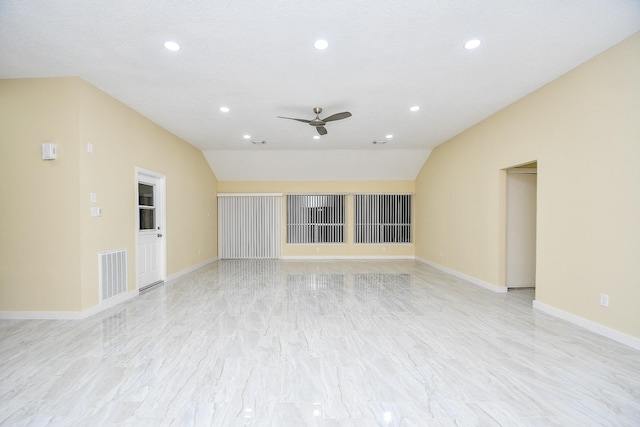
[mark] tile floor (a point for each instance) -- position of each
(293, 343)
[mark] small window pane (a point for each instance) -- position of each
(145, 195)
(147, 219)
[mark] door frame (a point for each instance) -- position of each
(502, 226)
(160, 182)
(522, 260)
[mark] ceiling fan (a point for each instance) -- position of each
(319, 123)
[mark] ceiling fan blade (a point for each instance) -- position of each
(337, 116)
(321, 130)
(291, 118)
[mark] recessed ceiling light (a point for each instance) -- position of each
(224, 109)
(316, 136)
(321, 44)
(414, 108)
(173, 46)
(472, 44)
(246, 136)
(389, 136)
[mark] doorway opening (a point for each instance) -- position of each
(520, 226)
(150, 229)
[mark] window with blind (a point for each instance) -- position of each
(315, 218)
(382, 218)
(249, 226)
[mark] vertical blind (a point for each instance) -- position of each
(249, 226)
(315, 218)
(382, 218)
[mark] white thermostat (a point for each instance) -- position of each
(48, 151)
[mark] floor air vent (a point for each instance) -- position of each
(151, 286)
(113, 273)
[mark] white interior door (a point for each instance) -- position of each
(150, 221)
(521, 229)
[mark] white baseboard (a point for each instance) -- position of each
(471, 279)
(597, 328)
(349, 258)
(68, 315)
(179, 274)
(77, 315)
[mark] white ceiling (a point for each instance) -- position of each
(258, 59)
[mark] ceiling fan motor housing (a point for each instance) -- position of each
(317, 122)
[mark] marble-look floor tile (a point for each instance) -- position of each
(294, 343)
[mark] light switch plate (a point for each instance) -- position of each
(48, 151)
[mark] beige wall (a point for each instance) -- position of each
(69, 242)
(39, 233)
(584, 131)
(328, 250)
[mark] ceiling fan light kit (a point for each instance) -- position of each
(319, 123)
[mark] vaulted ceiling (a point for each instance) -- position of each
(258, 60)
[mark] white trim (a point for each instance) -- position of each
(382, 194)
(69, 315)
(324, 193)
(346, 257)
(249, 194)
(597, 328)
(474, 280)
(531, 171)
(179, 274)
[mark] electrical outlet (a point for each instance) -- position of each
(604, 300)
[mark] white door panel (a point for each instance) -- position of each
(150, 230)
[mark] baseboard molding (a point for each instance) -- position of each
(68, 315)
(597, 328)
(349, 258)
(179, 274)
(459, 275)
(104, 305)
